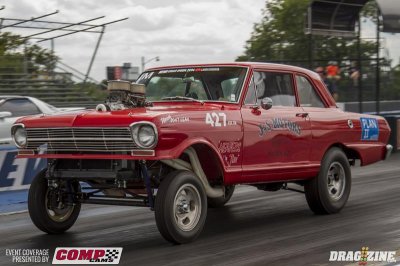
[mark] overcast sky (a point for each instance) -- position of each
(178, 31)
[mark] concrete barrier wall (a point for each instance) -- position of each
(370, 106)
(17, 174)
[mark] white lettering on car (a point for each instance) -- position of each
(279, 124)
(174, 119)
(219, 120)
(216, 119)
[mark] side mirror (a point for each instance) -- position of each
(5, 115)
(266, 103)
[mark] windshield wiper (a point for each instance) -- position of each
(182, 98)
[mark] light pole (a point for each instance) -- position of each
(144, 62)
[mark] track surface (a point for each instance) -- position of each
(255, 228)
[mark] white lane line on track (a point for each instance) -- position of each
(11, 213)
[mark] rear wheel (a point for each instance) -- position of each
(220, 202)
(330, 190)
(180, 207)
(50, 208)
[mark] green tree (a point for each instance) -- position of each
(40, 59)
(9, 43)
(280, 37)
(18, 55)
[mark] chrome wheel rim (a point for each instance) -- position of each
(187, 207)
(59, 214)
(336, 181)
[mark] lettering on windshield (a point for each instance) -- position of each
(185, 70)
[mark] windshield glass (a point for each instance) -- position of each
(200, 83)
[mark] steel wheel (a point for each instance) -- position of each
(180, 207)
(329, 191)
(336, 181)
(49, 208)
(187, 207)
(61, 212)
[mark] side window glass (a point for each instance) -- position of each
(251, 94)
(308, 97)
(19, 107)
(277, 86)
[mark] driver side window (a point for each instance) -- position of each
(274, 85)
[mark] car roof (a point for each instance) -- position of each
(262, 65)
(4, 98)
(7, 97)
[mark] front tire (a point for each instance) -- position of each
(48, 208)
(330, 190)
(180, 207)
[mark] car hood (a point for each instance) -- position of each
(120, 118)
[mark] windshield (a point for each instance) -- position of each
(199, 83)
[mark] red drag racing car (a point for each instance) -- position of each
(180, 138)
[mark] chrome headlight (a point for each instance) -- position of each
(144, 134)
(18, 134)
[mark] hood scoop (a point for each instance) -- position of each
(124, 95)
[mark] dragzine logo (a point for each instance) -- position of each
(363, 256)
(95, 255)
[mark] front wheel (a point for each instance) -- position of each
(180, 207)
(330, 190)
(50, 208)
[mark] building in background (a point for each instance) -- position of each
(125, 72)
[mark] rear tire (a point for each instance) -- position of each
(330, 190)
(41, 201)
(180, 207)
(220, 202)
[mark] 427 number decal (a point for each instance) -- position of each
(216, 119)
(219, 120)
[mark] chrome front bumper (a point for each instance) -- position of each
(389, 149)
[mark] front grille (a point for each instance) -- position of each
(79, 139)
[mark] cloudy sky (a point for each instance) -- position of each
(177, 31)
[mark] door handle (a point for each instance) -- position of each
(302, 115)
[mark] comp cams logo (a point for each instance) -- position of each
(363, 256)
(94, 255)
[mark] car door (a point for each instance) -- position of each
(275, 144)
(17, 107)
(326, 123)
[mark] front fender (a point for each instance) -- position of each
(176, 152)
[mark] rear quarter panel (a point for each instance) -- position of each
(331, 126)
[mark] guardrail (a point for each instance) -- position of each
(370, 106)
(17, 174)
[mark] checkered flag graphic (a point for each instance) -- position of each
(112, 254)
